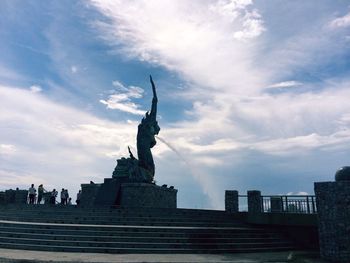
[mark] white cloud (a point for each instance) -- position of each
(7, 149)
(252, 26)
(298, 193)
(341, 22)
(196, 39)
(286, 84)
(35, 88)
(74, 69)
(55, 144)
(121, 100)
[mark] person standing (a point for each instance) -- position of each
(66, 196)
(53, 197)
(32, 193)
(41, 191)
(63, 196)
(78, 197)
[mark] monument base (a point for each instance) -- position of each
(147, 195)
(121, 192)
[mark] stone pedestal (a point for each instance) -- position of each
(147, 195)
(231, 201)
(88, 194)
(108, 193)
(254, 202)
(333, 208)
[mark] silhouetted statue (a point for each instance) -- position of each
(142, 170)
(147, 129)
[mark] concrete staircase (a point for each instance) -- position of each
(107, 230)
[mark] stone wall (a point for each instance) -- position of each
(21, 196)
(11, 196)
(147, 195)
(333, 207)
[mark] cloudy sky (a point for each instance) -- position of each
(252, 94)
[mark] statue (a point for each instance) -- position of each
(142, 170)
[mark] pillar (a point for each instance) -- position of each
(254, 202)
(333, 211)
(231, 201)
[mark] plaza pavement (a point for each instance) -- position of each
(26, 256)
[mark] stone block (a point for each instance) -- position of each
(10, 196)
(147, 195)
(88, 194)
(108, 193)
(231, 201)
(254, 202)
(21, 196)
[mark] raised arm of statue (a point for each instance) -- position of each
(131, 155)
(154, 100)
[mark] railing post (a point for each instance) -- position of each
(231, 201)
(286, 201)
(307, 205)
(313, 205)
(254, 202)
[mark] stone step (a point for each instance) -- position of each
(173, 213)
(128, 223)
(26, 246)
(223, 217)
(128, 228)
(143, 239)
(120, 230)
(145, 245)
(152, 233)
(117, 217)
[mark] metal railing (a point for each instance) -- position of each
(242, 203)
(302, 204)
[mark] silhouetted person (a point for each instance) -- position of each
(78, 197)
(63, 196)
(41, 191)
(69, 201)
(54, 194)
(66, 196)
(31, 192)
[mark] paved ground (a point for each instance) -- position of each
(26, 256)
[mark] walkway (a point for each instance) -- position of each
(25, 256)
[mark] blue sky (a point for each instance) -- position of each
(252, 94)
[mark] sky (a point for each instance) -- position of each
(253, 95)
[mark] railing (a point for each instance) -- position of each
(242, 203)
(303, 204)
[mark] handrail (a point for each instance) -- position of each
(302, 204)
